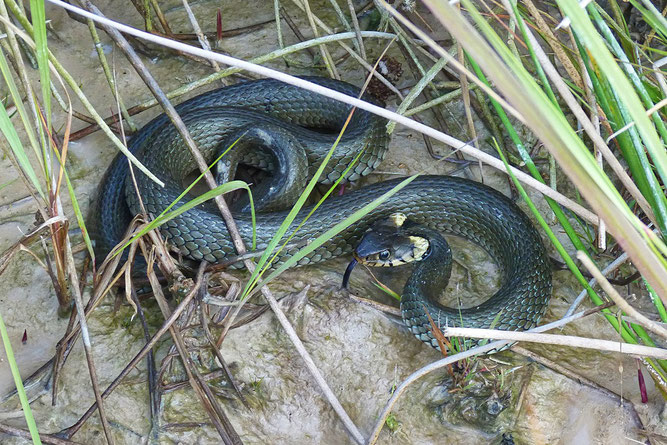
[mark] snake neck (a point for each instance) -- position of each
(431, 274)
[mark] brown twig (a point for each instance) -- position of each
(295, 29)
(153, 394)
(45, 438)
(225, 33)
(216, 351)
(78, 300)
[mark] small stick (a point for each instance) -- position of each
(278, 13)
(45, 438)
(618, 262)
(295, 30)
(203, 41)
(620, 301)
(173, 386)
(224, 33)
(218, 354)
(87, 347)
(161, 18)
(326, 56)
(465, 94)
(357, 30)
(595, 121)
(153, 394)
(555, 339)
(392, 310)
(445, 98)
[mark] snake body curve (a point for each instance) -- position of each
(451, 205)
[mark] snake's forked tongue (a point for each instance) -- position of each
(348, 272)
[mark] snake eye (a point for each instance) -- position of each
(384, 255)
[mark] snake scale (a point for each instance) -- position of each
(448, 204)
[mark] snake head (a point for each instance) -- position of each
(388, 243)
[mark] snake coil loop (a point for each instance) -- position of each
(439, 203)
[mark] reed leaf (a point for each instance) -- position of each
(25, 405)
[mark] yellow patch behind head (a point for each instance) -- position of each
(420, 244)
(398, 219)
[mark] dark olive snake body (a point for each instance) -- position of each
(448, 204)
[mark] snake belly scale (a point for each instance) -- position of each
(448, 204)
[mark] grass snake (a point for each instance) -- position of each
(270, 109)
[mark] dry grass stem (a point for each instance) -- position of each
(553, 339)
(552, 40)
(620, 301)
(618, 262)
(78, 301)
(357, 30)
(203, 41)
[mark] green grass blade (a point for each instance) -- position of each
(209, 194)
(592, 41)
(7, 128)
(8, 183)
(387, 291)
(42, 53)
(18, 102)
(287, 222)
(657, 302)
(417, 90)
(27, 412)
(525, 156)
(167, 216)
(303, 221)
(335, 230)
(201, 175)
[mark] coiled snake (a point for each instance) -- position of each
(273, 111)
